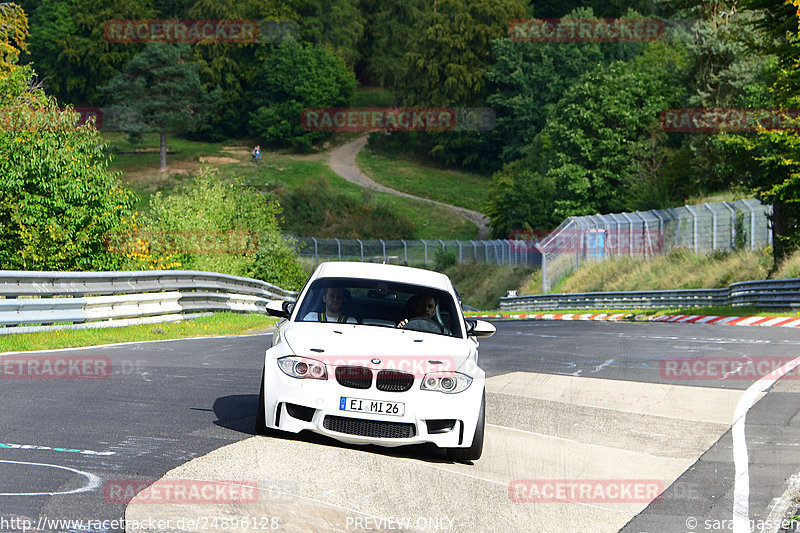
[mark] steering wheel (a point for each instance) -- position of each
(422, 323)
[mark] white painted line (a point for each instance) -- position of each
(92, 481)
(741, 487)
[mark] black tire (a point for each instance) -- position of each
(261, 415)
(474, 452)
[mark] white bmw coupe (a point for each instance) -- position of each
(376, 354)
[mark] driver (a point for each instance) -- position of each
(421, 306)
(334, 298)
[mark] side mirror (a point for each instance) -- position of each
(280, 308)
(479, 328)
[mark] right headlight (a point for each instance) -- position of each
(302, 367)
(447, 382)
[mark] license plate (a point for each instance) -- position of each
(361, 405)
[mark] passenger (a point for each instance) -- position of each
(334, 298)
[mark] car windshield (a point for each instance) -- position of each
(381, 304)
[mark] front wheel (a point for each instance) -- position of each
(474, 452)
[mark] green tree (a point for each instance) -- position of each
(69, 50)
(293, 78)
(388, 31)
(451, 49)
(337, 24)
(585, 160)
(13, 32)
(234, 67)
(163, 87)
(769, 161)
(58, 202)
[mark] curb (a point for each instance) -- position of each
(782, 321)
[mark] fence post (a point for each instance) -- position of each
(544, 267)
(475, 250)
(713, 226)
(362, 249)
(339, 246)
(426, 250)
(769, 226)
(630, 233)
(460, 259)
(486, 251)
(660, 229)
(316, 254)
(694, 217)
(752, 225)
(646, 231)
(733, 223)
(405, 250)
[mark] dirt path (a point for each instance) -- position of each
(343, 161)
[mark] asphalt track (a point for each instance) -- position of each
(576, 401)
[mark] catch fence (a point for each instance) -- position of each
(701, 228)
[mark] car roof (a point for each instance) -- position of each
(377, 271)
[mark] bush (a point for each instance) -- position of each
(317, 211)
(209, 224)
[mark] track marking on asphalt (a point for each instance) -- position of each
(5, 445)
(741, 487)
(92, 481)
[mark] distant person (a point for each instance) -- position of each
(334, 298)
(256, 153)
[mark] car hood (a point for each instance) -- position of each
(351, 344)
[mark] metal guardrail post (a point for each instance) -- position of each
(694, 238)
(713, 226)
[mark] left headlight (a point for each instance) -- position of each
(302, 367)
(447, 382)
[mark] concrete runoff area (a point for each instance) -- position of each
(539, 427)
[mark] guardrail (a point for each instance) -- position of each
(775, 294)
(35, 301)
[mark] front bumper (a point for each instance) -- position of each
(446, 420)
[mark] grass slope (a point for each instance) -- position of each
(279, 173)
(416, 176)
